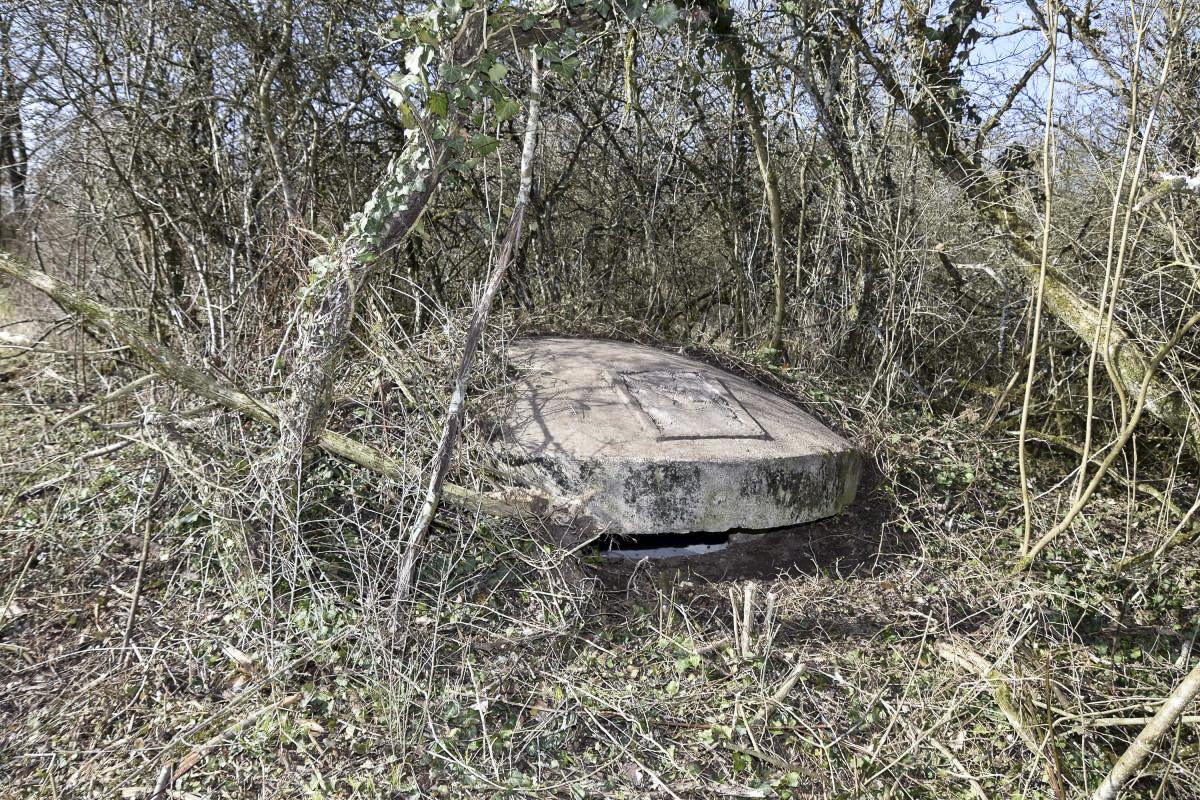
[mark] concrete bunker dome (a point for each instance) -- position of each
(649, 441)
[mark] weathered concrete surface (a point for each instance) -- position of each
(654, 442)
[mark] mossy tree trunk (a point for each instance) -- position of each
(328, 300)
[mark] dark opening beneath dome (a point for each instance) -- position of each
(663, 545)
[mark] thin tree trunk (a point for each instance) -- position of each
(393, 210)
(267, 117)
(330, 300)
(1128, 362)
(415, 539)
(743, 88)
(14, 157)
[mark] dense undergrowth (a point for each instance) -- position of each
(942, 227)
(898, 660)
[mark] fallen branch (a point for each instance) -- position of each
(1185, 531)
(1131, 760)
(1168, 184)
(105, 450)
(963, 656)
(196, 756)
(172, 366)
(141, 570)
(108, 398)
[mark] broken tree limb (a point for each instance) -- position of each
(172, 365)
(132, 386)
(1186, 531)
(1167, 185)
(196, 756)
(169, 363)
(1137, 752)
(453, 424)
(965, 657)
(147, 516)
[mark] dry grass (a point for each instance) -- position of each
(271, 671)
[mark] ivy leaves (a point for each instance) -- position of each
(496, 72)
(453, 103)
(662, 15)
(459, 103)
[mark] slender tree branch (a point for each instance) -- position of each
(415, 540)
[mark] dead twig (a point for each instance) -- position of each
(141, 571)
(963, 656)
